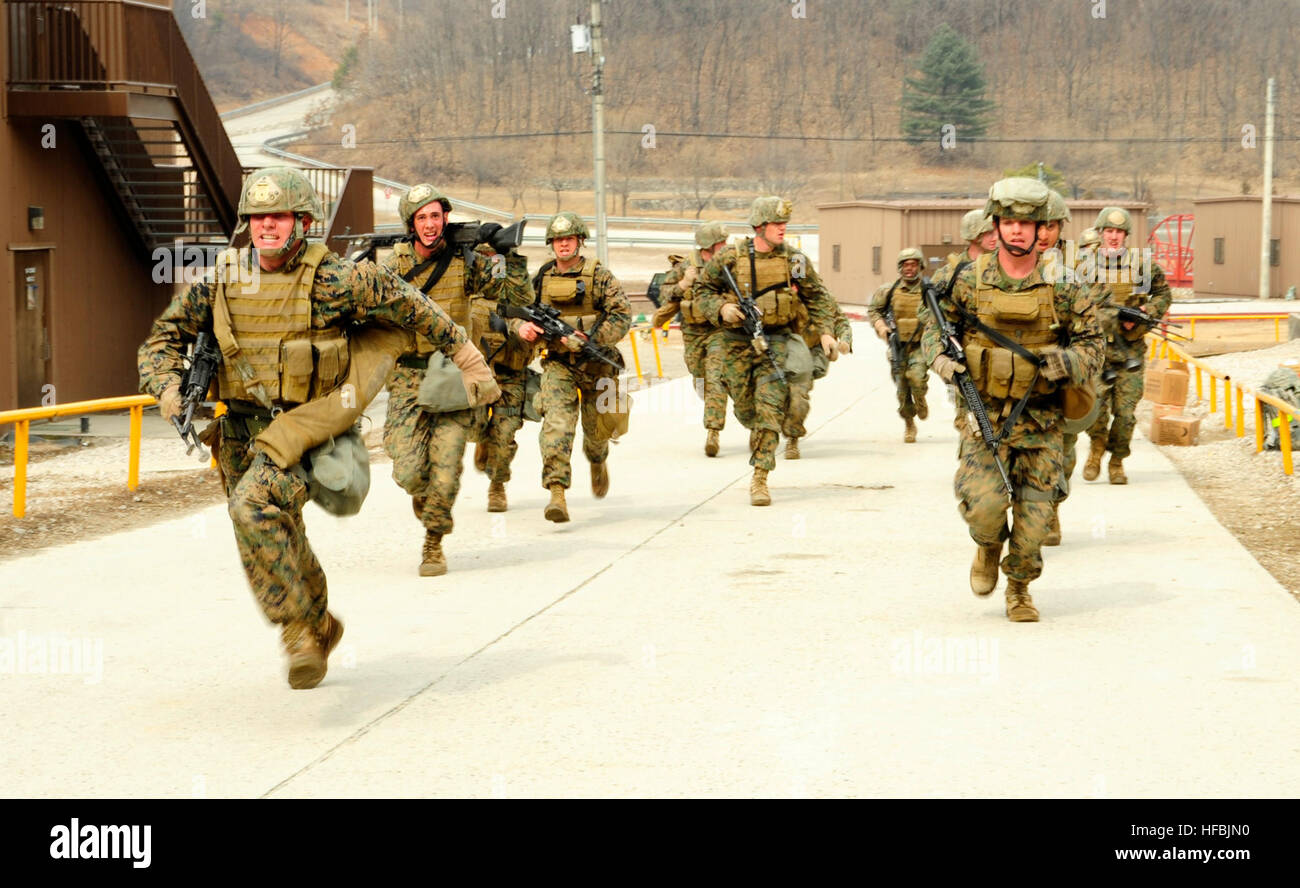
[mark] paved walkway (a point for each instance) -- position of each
(672, 640)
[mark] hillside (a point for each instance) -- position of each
(1148, 100)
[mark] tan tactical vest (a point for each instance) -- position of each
(690, 313)
(272, 354)
(1027, 316)
(1119, 280)
(905, 302)
(499, 349)
(779, 305)
(449, 292)
(577, 304)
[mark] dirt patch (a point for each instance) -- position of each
(94, 510)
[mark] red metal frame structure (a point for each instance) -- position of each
(1171, 248)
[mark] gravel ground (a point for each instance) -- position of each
(1247, 491)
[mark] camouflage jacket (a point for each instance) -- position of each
(343, 293)
(1093, 275)
(713, 292)
(608, 298)
(876, 304)
(671, 289)
(1083, 341)
(484, 276)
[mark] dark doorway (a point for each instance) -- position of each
(31, 324)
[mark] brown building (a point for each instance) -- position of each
(1226, 243)
(859, 240)
(116, 169)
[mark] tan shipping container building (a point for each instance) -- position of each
(1226, 244)
(860, 239)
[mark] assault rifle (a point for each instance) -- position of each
(554, 327)
(1138, 316)
(752, 322)
(953, 349)
(897, 355)
(463, 236)
(194, 388)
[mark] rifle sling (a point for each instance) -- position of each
(443, 262)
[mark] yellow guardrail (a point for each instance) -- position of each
(1191, 319)
(1166, 349)
(654, 339)
(22, 420)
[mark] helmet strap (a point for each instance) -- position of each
(1018, 252)
(292, 243)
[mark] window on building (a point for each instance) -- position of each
(1275, 252)
(1218, 251)
(875, 260)
(835, 257)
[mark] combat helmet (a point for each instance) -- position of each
(279, 190)
(1057, 211)
(566, 224)
(769, 209)
(415, 199)
(1018, 197)
(709, 234)
(1089, 237)
(975, 225)
(1114, 217)
(910, 253)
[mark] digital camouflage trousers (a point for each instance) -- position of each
(427, 449)
(1117, 417)
(981, 499)
(265, 505)
(569, 392)
(704, 361)
(917, 376)
(507, 417)
(759, 399)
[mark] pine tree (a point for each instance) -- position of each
(950, 90)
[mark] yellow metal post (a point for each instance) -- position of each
(1227, 402)
(659, 364)
(636, 358)
(1198, 384)
(1285, 421)
(1277, 329)
(1214, 392)
(1241, 413)
(20, 468)
(1191, 333)
(133, 457)
(1259, 425)
(218, 412)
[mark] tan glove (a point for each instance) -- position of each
(572, 343)
(665, 313)
(844, 347)
(731, 313)
(881, 328)
(688, 278)
(828, 346)
(1056, 364)
(480, 385)
(946, 367)
(169, 402)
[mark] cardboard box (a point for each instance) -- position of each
(1178, 430)
(1165, 382)
(1159, 412)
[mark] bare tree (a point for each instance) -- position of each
(280, 27)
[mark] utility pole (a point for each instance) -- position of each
(598, 129)
(1266, 234)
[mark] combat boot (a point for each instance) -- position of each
(480, 457)
(556, 510)
(308, 649)
(909, 431)
(1096, 450)
(417, 506)
(711, 443)
(984, 569)
(922, 409)
(791, 448)
(1053, 537)
(1116, 470)
(599, 479)
(1020, 607)
(496, 497)
(758, 495)
(432, 563)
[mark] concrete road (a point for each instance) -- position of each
(672, 640)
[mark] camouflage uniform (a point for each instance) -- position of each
(265, 501)
(700, 340)
(572, 384)
(428, 449)
(1125, 349)
(904, 300)
(760, 400)
(1031, 449)
(1087, 247)
(801, 392)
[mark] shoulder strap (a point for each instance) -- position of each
(537, 279)
(225, 333)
